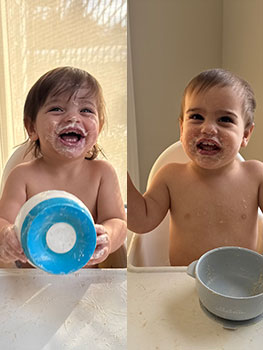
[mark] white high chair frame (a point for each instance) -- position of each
(152, 249)
(118, 259)
(17, 157)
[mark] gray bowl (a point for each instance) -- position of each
(229, 282)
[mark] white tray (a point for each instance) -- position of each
(84, 310)
(164, 313)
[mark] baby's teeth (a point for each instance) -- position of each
(208, 143)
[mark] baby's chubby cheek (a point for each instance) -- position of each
(93, 132)
(50, 128)
(51, 131)
(188, 140)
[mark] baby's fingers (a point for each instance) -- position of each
(98, 256)
(100, 229)
(14, 253)
(10, 248)
(14, 244)
(9, 255)
(102, 239)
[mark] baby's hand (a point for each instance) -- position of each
(102, 249)
(10, 248)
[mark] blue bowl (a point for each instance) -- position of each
(47, 224)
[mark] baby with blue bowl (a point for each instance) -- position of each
(214, 198)
(64, 113)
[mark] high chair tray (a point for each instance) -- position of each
(84, 310)
(164, 312)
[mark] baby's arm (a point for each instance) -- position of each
(257, 172)
(111, 224)
(146, 211)
(13, 197)
(260, 223)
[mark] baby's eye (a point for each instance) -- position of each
(55, 109)
(196, 117)
(87, 110)
(226, 119)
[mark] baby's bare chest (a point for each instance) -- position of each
(82, 187)
(218, 202)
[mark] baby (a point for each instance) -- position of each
(214, 198)
(64, 113)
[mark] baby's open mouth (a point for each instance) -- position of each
(71, 137)
(208, 146)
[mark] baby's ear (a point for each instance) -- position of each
(247, 134)
(30, 128)
(181, 127)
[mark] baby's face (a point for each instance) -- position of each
(213, 128)
(68, 126)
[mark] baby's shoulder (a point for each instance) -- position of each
(22, 168)
(170, 172)
(173, 168)
(255, 165)
(100, 166)
(252, 168)
(17, 176)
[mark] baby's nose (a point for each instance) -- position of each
(209, 128)
(72, 118)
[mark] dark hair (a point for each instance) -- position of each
(56, 82)
(220, 77)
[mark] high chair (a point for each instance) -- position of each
(152, 248)
(118, 259)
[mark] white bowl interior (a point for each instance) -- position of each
(232, 272)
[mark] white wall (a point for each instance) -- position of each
(171, 41)
(243, 54)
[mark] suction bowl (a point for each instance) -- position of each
(56, 231)
(229, 282)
